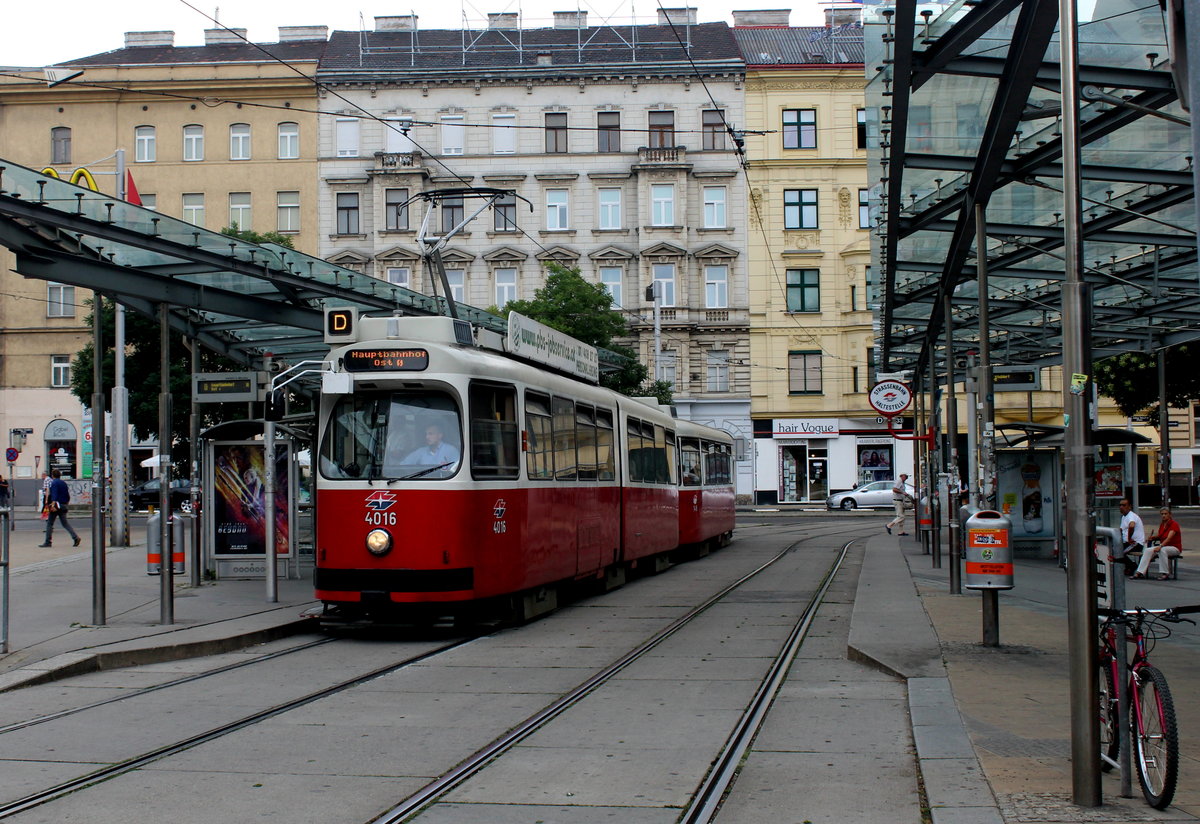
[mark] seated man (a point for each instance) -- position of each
(1169, 545)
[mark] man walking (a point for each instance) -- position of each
(59, 499)
(899, 497)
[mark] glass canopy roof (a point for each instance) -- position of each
(965, 107)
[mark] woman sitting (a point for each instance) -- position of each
(1166, 543)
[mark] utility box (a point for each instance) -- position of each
(989, 556)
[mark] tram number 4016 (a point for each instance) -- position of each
(380, 518)
(499, 527)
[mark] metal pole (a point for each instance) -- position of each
(5, 530)
(987, 406)
(935, 509)
(166, 564)
(272, 568)
(972, 386)
(119, 454)
(99, 584)
(1077, 364)
(1164, 431)
(194, 427)
(656, 290)
(919, 461)
(952, 453)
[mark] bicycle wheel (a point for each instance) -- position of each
(1110, 742)
(1155, 737)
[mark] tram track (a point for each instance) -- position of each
(720, 778)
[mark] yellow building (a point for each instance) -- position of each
(811, 334)
(216, 134)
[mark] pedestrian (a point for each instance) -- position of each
(1166, 543)
(900, 497)
(1133, 532)
(3, 491)
(59, 498)
(44, 494)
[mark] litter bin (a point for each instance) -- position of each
(153, 550)
(989, 558)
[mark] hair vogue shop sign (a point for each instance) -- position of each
(805, 428)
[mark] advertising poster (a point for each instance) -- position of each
(239, 495)
(1027, 488)
(1110, 481)
(874, 462)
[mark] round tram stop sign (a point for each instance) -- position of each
(890, 398)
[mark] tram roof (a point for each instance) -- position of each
(237, 298)
(964, 100)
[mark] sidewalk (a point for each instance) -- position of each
(50, 631)
(991, 725)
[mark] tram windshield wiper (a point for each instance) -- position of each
(424, 471)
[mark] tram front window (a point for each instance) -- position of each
(392, 436)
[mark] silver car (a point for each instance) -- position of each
(869, 495)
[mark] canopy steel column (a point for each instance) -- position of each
(952, 454)
(166, 559)
(99, 608)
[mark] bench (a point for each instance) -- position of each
(1172, 564)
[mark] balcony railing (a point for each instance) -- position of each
(716, 315)
(397, 160)
(665, 154)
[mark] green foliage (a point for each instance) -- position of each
(258, 237)
(1131, 380)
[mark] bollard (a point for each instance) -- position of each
(153, 551)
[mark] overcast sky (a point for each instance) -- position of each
(35, 35)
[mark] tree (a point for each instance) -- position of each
(258, 237)
(584, 311)
(1131, 379)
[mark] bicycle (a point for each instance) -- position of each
(1152, 726)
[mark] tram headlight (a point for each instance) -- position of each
(379, 542)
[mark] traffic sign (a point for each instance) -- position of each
(11, 454)
(890, 397)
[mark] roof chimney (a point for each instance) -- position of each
(762, 17)
(835, 16)
(503, 20)
(570, 19)
(403, 22)
(545, 59)
(294, 34)
(134, 39)
(224, 37)
(685, 16)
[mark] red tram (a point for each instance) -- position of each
(451, 474)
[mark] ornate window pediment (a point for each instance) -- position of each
(715, 250)
(398, 254)
(560, 254)
(505, 254)
(611, 253)
(457, 256)
(664, 250)
(348, 257)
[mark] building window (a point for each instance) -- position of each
(556, 132)
(60, 300)
(193, 142)
(60, 145)
(289, 141)
(716, 287)
(505, 213)
(662, 130)
(60, 371)
(800, 208)
(239, 210)
(712, 125)
(804, 373)
(799, 128)
(611, 279)
(557, 212)
(804, 290)
(193, 209)
(457, 279)
(347, 213)
(452, 213)
(664, 282)
(666, 367)
(149, 201)
(145, 146)
(714, 207)
(454, 134)
(504, 133)
(608, 131)
(662, 205)
(398, 276)
(287, 211)
(920, 128)
(871, 381)
(717, 361)
(396, 136)
(610, 209)
(864, 209)
(239, 141)
(346, 136)
(861, 129)
(506, 286)
(395, 209)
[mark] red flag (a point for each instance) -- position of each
(131, 192)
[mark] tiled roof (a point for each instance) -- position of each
(423, 50)
(800, 45)
(223, 53)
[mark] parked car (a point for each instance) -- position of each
(146, 494)
(869, 496)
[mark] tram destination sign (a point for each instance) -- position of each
(225, 387)
(386, 360)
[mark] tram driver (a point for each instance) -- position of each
(435, 451)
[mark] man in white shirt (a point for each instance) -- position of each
(435, 452)
(899, 496)
(1133, 532)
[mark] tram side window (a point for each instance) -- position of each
(664, 456)
(689, 461)
(493, 431)
(605, 471)
(633, 449)
(585, 437)
(565, 460)
(716, 464)
(539, 459)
